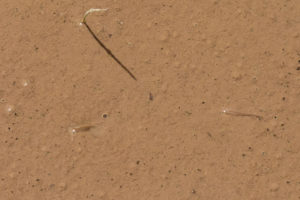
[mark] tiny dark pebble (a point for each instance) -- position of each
(243, 155)
(193, 191)
(298, 68)
(150, 96)
(283, 98)
(137, 162)
(203, 102)
(104, 115)
(268, 129)
(299, 61)
(288, 182)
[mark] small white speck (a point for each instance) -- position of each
(9, 109)
(24, 83)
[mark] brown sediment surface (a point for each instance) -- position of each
(164, 136)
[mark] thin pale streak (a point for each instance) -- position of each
(235, 113)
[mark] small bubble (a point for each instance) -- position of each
(9, 109)
(24, 83)
(72, 130)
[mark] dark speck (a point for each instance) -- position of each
(298, 68)
(150, 96)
